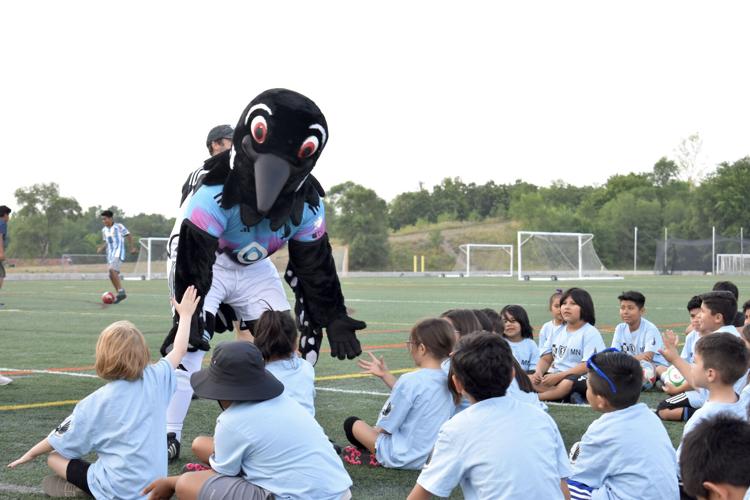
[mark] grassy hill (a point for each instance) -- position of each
(440, 242)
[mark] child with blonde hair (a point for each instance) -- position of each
(122, 422)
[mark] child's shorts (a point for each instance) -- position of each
(76, 474)
(220, 487)
(678, 401)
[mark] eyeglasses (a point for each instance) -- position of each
(592, 366)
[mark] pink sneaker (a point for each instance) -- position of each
(194, 468)
(354, 456)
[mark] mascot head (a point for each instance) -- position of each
(279, 137)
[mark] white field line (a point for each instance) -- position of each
(48, 372)
(14, 488)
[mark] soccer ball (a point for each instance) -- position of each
(649, 375)
(673, 376)
(108, 297)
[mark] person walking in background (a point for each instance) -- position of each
(114, 235)
(4, 216)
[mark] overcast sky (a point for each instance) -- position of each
(113, 100)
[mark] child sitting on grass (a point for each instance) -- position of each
(625, 453)
(563, 360)
(265, 444)
(713, 460)
(419, 404)
(720, 359)
(636, 335)
(122, 422)
(520, 335)
(550, 326)
(492, 447)
(276, 338)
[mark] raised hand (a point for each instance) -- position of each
(189, 303)
(669, 351)
(375, 367)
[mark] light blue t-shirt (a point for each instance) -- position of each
(627, 454)
(298, 377)
(700, 395)
(123, 423)
(545, 332)
(419, 404)
(514, 391)
(569, 349)
(527, 460)
(278, 445)
(645, 339)
(4, 232)
(526, 353)
(708, 410)
(688, 350)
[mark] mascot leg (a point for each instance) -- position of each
(180, 402)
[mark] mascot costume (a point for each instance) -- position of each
(253, 199)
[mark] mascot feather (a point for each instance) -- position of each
(257, 197)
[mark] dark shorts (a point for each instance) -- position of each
(678, 401)
(77, 472)
(2, 270)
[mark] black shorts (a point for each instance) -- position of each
(76, 474)
(680, 401)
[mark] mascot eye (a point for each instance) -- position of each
(308, 148)
(259, 129)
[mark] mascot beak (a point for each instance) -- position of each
(271, 174)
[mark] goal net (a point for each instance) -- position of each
(152, 259)
(558, 256)
(478, 259)
(732, 263)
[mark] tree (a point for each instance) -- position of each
(688, 159)
(39, 223)
(665, 171)
(360, 220)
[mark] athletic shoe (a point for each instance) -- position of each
(336, 447)
(120, 297)
(55, 486)
(194, 468)
(5, 380)
(173, 447)
(355, 456)
(577, 399)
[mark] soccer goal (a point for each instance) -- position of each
(152, 259)
(488, 260)
(555, 256)
(732, 263)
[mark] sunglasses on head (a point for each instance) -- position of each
(592, 366)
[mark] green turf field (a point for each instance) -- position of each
(52, 327)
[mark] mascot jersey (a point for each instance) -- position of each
(249, 244)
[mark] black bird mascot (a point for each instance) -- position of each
(255, 198)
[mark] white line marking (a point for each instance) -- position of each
(20, 489)
(48, 372)
(350, 391)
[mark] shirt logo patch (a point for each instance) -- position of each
(63, 427)
(387, 409)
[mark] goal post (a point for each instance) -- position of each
(551, 255)
(732, 263)
(152, 259)
(488, 259)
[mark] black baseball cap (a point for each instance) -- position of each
(219, 132)
(237, 373)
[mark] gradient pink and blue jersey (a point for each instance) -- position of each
(248, 244)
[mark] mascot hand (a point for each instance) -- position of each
(198, 339)
(223, 319)
(343, 340)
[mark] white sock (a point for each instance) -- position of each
(180, 402)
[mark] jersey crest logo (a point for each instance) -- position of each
(387, 410)
(63, 427)
(252, 253)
